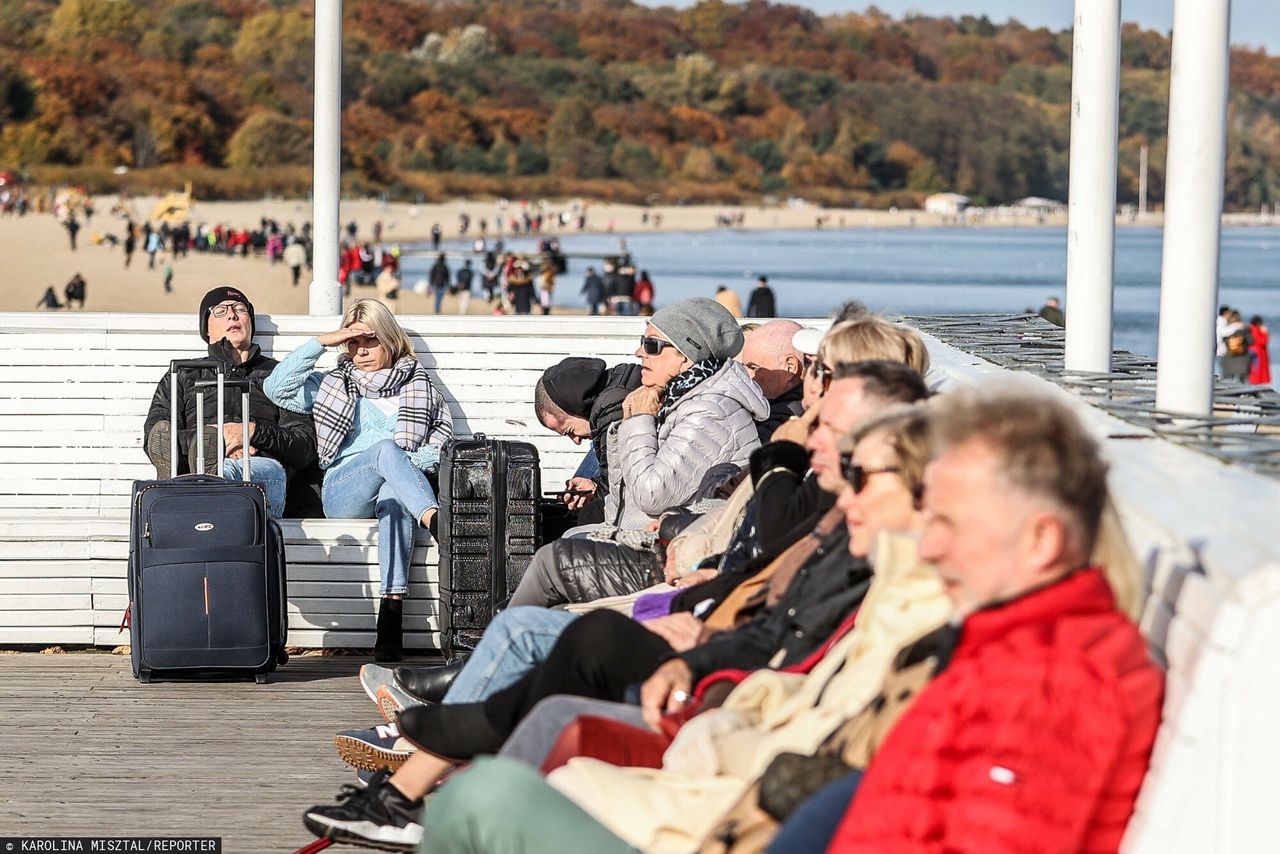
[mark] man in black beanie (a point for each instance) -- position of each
(282, 443)
(580, 397)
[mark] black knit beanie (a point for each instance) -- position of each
(222, 294)
(573, 383)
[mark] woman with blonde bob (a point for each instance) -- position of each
(380, 424)
(863, 339)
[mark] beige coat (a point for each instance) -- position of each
(729, 299)
(717, 755)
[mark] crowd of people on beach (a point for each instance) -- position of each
(830, 609)
(529, 218)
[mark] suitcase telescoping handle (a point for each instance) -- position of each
(221, 383)
(176, 367)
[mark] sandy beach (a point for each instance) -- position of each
(38, 253)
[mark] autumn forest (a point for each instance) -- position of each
(716, 102)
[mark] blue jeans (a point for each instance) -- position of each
(381, 481)
(265, 472)
(815, 821)
(515, 642)
(439, 297)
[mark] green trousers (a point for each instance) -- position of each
(500, 806)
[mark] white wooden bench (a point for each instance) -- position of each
(76, 390)
(1206, 535)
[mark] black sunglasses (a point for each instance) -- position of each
(653, 346)
(857, 476)
(823, 374)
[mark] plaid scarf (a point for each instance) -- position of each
(685, 382)
(423, 415)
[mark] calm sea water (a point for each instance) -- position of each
(923, 270)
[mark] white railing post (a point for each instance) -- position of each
(1194, 176)
(1091, 199)
(325, 294)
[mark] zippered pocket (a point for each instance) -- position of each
(205, 519)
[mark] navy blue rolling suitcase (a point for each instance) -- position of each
(206, 566)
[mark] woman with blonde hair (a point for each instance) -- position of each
(866, 338)
(380, 424)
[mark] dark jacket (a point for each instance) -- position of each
(593, 289)
(464, 278)
(286, 437)
(439, 275)
(795, 502)
(785, 485)
(829, 587)
(606, 410)
(762, 303)
(782, 408)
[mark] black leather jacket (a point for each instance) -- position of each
(287, 437)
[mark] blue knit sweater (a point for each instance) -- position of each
(293, 385)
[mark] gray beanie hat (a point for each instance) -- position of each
(700, 328)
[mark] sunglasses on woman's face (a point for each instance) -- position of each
(651, 346)
(823, 374)
(858, 476)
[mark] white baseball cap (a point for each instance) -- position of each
(807, 341)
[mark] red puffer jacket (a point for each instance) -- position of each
(1035, 737)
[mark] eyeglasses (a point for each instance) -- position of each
(239, 308)
(653, 346)
(823, 374)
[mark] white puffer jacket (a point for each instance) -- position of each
(656, 468)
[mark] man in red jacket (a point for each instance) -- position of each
(1035, 732)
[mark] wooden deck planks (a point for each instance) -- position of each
(91, 752)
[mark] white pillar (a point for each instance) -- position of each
(1091, 199)
(1194, 176)
(325, 293)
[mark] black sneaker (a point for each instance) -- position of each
(378, 816)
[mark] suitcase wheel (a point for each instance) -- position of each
(144, 676)
(260, 678)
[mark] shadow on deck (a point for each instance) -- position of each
(91, 752)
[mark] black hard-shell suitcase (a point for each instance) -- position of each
(207, 583)
(489, 529)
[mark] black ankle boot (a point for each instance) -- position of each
(389, 645)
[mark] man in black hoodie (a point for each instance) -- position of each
(580, 398)
(281, 443)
